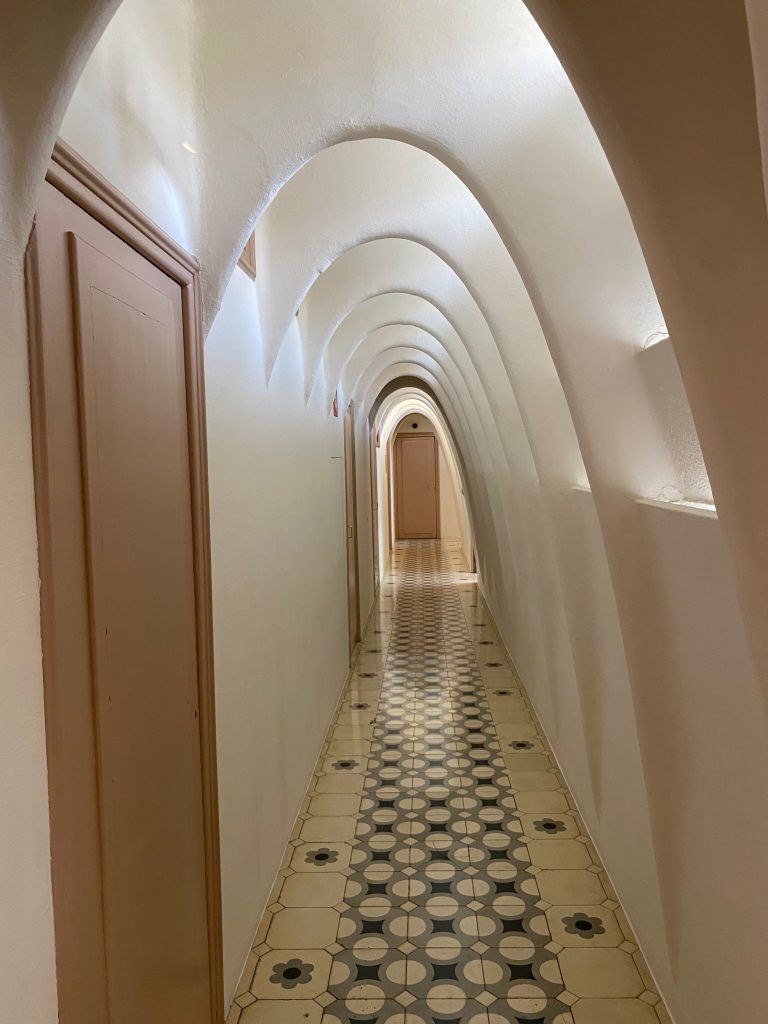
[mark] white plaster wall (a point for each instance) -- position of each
(661, 374)
(450, 521)
(280, 616)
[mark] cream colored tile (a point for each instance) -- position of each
(558, 853)
(584, 925)
(531, 1009)
(613, 1011)
(247, 976)
(523, 761)
(306, 890)
(326, 858)
(328, 829)
(291, 974)
(340, 782)
(357, 717)
(550, 802)
(348, 765)
(554, 826)
(357, 731)
(338, 805)
(562, 888)
(523, 745)
(600, 973)
(266, 917)
(510, 711)
(537, 781)
(303, 928)
(523, 728)
(278, 1011)
(348, 748)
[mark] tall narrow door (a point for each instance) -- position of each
(350, 507)
(117, 414)
(374, 450)
(417, 494)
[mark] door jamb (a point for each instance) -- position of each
(80, 182)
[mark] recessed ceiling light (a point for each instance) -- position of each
(189, 147)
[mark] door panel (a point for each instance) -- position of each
(416, 486)
(121, 630)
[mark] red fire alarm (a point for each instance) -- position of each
(336, 404)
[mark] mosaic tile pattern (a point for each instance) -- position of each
(438, 871)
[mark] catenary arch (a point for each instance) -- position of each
(483, 499)
(396, 264)
(393, 411)
(514, 512)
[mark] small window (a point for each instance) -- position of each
(248, 257)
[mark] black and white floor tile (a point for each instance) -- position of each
(439, 871)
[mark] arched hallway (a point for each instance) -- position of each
(244, 247)
(438, 869)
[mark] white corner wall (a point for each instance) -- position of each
(279, 599)
(27, 964)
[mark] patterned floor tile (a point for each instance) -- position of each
(439, 872)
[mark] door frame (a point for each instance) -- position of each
(374, 448)
(83, 185)
(398, 471)
(350, 515)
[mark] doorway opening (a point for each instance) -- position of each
(418, 480)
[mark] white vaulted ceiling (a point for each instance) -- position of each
(432, 203)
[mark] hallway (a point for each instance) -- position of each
(438, 870)
(308, 310)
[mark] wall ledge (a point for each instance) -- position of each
(691, 508)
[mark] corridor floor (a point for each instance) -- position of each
(438, 870)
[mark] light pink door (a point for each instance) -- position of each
(416, 487)
(114, 407)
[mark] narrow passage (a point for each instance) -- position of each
(439, 871)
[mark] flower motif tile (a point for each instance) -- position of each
(292, 974)
(438, 872)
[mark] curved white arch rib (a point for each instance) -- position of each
(328, 317)
(501, 413)
(403, 403)
(496, 560)
(380, 188)
(481, 501)
(522, 524)
(512, 505)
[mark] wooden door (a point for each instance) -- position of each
(350, 506)
(374, 449)
(417, 494)
(120, 482)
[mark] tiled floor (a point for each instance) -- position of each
(438, 870)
